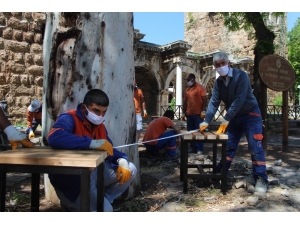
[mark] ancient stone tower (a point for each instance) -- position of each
(206, 32)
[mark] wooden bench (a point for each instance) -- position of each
(48, 160)
(206, 137)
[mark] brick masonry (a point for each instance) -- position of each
(21, 60)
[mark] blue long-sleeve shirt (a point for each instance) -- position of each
(61, 136)
(237, 95)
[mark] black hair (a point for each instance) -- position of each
(96, 96)
(169, 113)
(191, 75)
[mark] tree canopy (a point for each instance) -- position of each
(263, 34)
(294, 53)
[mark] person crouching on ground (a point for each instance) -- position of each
(83, 128)
(33, 118)
(157, 130)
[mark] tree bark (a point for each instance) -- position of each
(264, 46)
(87, 50)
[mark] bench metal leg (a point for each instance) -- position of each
(85, 191)
(185, 167)
(35, 192)
(224, 176)
(100, 188)
(2, 190)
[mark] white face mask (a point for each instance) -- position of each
(190, 83)
(223, 71)
(93, 118)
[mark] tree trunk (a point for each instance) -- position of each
(264, 46)
(83, 51)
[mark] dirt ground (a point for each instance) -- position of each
(161, 184)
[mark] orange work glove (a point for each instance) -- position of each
(16, 137)
(145, 114)
(222, 127)
(123, 171)
(203, 126)
(203, 114)
(102, 145)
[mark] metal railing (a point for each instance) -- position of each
(274, 112)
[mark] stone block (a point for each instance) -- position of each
(15, 79)
(28, 37)
(29, 58)
(27, 15)
(35, 70)
(1, 43)
(18, 57)
(24, 79)
(39, 17)
(7, 33)
(39, 81)
(16, 14)
(17, 46)
(38, 59)
(2, 21)
(35, 26)
(36, 48)
(17, 35)
(17, 68)
(2, 79)
(38, 38)
(17, 24)
(7, 14)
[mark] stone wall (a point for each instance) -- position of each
(21, 60)
(206, 32)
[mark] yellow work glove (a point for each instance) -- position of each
(203, 126)
(222, 127)
(16, 137)
(145, 114)
(203, 114)
(123, 171)
(31, 134)
(102, 145)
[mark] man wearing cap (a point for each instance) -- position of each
(140, 106)
(33, 117)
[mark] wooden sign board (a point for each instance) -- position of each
(276, 73)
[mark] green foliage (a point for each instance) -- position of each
(191, 20)
(278, 100)
(191, 17)
(294, 53)
(235, 21)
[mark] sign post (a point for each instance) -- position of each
(278, 74)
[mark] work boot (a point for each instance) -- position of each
(261, 185)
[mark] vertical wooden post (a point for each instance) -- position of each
(285, 121)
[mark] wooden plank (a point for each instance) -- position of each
(223, 136)
(198, 136)
(210, 135)
(186, 136)
(53, 157)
